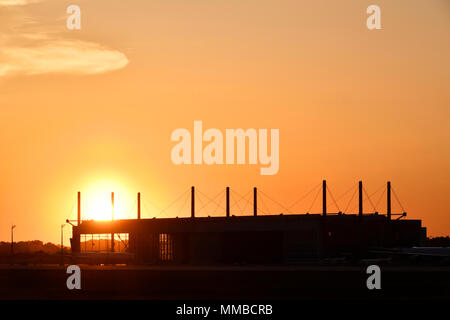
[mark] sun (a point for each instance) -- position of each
(97, 201)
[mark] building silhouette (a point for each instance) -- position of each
(254, 239)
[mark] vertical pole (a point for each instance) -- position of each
(62, 244)
(389, 200)
(12, 240)
(112, 218)
(112, 205)
(324, 197)
(139, 205)
(255, 202)
(192, 202)
(360, 198)
(79, 208)
(228, 201)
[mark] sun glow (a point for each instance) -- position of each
(97, 202)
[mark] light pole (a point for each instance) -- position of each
(12, 239)
(62, 244)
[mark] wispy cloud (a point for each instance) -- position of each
(12, 3)
(60, 56)
(29, 48)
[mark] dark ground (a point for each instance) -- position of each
(227, 282)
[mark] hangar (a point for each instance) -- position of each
(254, 239)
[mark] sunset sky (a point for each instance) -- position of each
(92, 110)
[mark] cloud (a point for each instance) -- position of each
(30, 46)
(60, 56)
(13, 3)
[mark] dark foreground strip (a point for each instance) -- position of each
(133, 309)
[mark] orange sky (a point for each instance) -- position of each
(93, 110)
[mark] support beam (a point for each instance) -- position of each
(255, 202)
(79, 208)
(388, 200)
(324, 197)
(360, 198)
(192, 202)
(112, 205)
(139, 205)
(228, 201)
(112, 218)
(12, 239)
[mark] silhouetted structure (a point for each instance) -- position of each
(252, 239)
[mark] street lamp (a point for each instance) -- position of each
(62, 244)
(12, 239)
